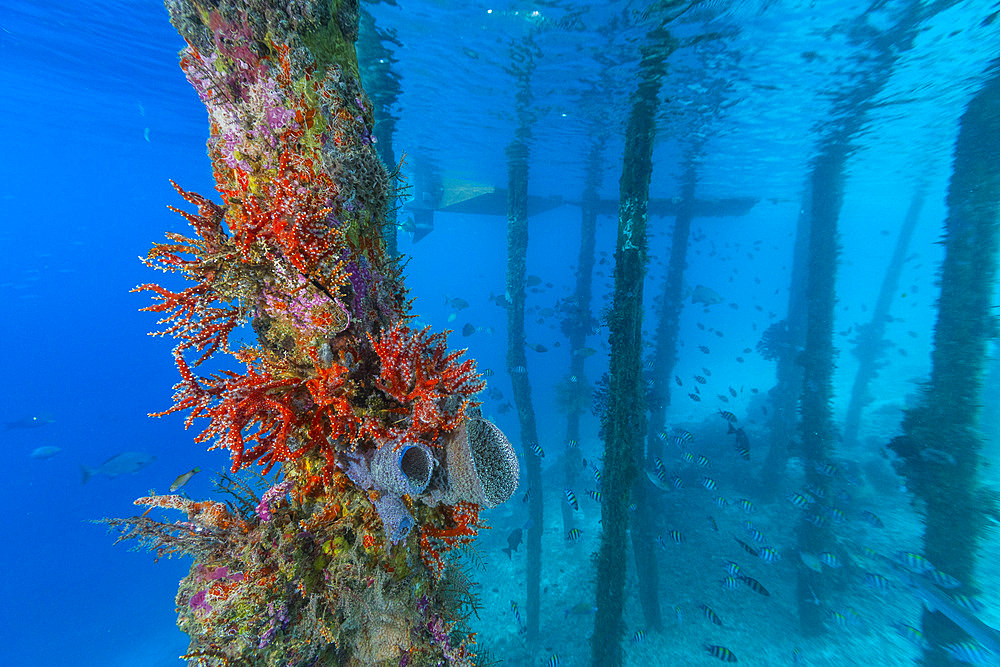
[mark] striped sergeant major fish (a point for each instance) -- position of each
(720, 652)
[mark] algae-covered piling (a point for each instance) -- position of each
(946, 419)
(624, 421)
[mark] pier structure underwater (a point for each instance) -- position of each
(366, 429)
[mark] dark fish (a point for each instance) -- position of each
(746, 547)
(457, 303)
(30, 421)
(533, 281)
(704, 349)
(732, 392)
(742, 442)
(872, 518)
(699, 379)
(705, 295)
(754, 585)
(720, 652)
(678, 381)
(728, 416)
(537, 347)
(500, 300)
(580, 609)
(710, 614)
(695, 397)
(46, 452)
(119, 464)
(468, 329)
(574, 534)
(513, 541)
(504, 408)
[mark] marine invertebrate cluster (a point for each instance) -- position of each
(369, 427)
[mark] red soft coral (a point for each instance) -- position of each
(420, 373)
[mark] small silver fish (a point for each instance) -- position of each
(184, 479)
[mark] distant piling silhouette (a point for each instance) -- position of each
(850, 113)
(872, 344)
(383, 90)
(782, 343)
(517, 365)
(517, 360)
(577, 325)
(664, 361)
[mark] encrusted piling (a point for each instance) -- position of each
(373, 460)
(940, 453)
(624, 421)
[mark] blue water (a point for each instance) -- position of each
(95, 117)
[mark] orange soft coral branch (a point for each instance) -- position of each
(208, 222)
(207, 512)
(255, 407)
(463, 526)
(197, 325)
(192, 317)
(418, 371)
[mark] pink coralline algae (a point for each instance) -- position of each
(361, 279)
(198, 603)
(220, 573)
(305, 311)
(270, 496)
(279, 619)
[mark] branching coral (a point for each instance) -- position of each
(418, 370)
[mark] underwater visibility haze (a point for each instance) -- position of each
(549, 333)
